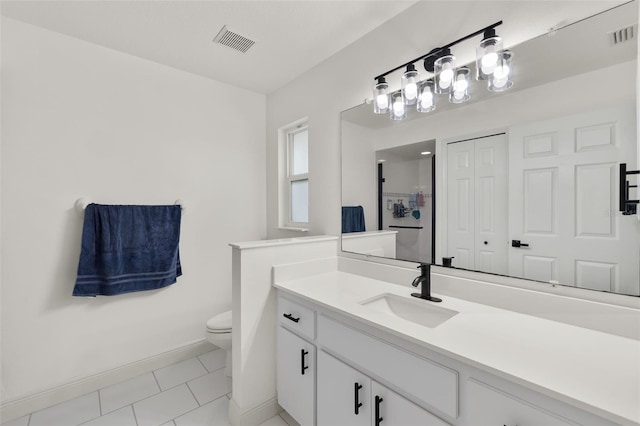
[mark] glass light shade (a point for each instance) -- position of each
(461, 82)
(502, 78)
(410, 85)
(381, 97)
(426, 97)
(487, 56)
(443, 68)
(398, 107)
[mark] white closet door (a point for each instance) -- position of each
(477, 204)
(491, 230)
(563, 201)
(461, 204)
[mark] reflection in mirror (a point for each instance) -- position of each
(524, 184)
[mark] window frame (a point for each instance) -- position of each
(287, 178)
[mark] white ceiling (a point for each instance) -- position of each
(290, 37)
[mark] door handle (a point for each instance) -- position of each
(303, 367)
(377, 413)
(290, 317)
(356, 397)
(518, 244)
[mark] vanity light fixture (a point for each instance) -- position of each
(493, 64)
(425, 153)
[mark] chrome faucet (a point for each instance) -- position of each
(425, 280)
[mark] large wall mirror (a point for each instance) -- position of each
(523, 183)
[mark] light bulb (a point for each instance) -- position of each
(411, 91)
(500, 82)
(426, 99)
(443, 69)
(398, 107)
(501, 79)
(460, 90)
(446, 74)
(410, 85)
(382, 101)
(461, 84)
(490, 60)
(488, 54)
(381, 96)
(501, 72)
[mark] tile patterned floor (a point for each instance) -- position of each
(194, 392)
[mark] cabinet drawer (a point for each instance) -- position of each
(489, 406)
(426, 381)
(296, 317)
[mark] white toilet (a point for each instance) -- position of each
(219, 333)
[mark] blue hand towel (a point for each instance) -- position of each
(127, 249)
(352, 219)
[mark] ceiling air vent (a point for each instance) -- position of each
(622, 35)
(233, 40)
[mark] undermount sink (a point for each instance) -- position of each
(418, 311)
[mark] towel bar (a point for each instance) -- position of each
(82, 203)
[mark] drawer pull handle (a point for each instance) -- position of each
(289, 316)
(356, 387)
(302, 366)
(377, 414)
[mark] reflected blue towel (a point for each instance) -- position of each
(352, 219)
(127, 249)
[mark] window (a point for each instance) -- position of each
(294, 172)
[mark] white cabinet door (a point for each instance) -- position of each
(296, 360)
(390, 409)
(344, 394)
(490, 407)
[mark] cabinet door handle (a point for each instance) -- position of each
(356, 397)
(289, 316)
(377, 414)
(302, 366)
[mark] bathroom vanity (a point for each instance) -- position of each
(354, 350)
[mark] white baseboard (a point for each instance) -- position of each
(288, 419)
(255, 415)
(20, 407)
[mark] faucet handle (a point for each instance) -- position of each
(425, 269)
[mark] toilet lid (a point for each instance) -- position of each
(220, 322)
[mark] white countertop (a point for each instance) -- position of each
(367, 234)
(245, 245)
(591, 370)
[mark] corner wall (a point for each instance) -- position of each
(80, 120)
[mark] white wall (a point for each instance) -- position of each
(81, 120)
